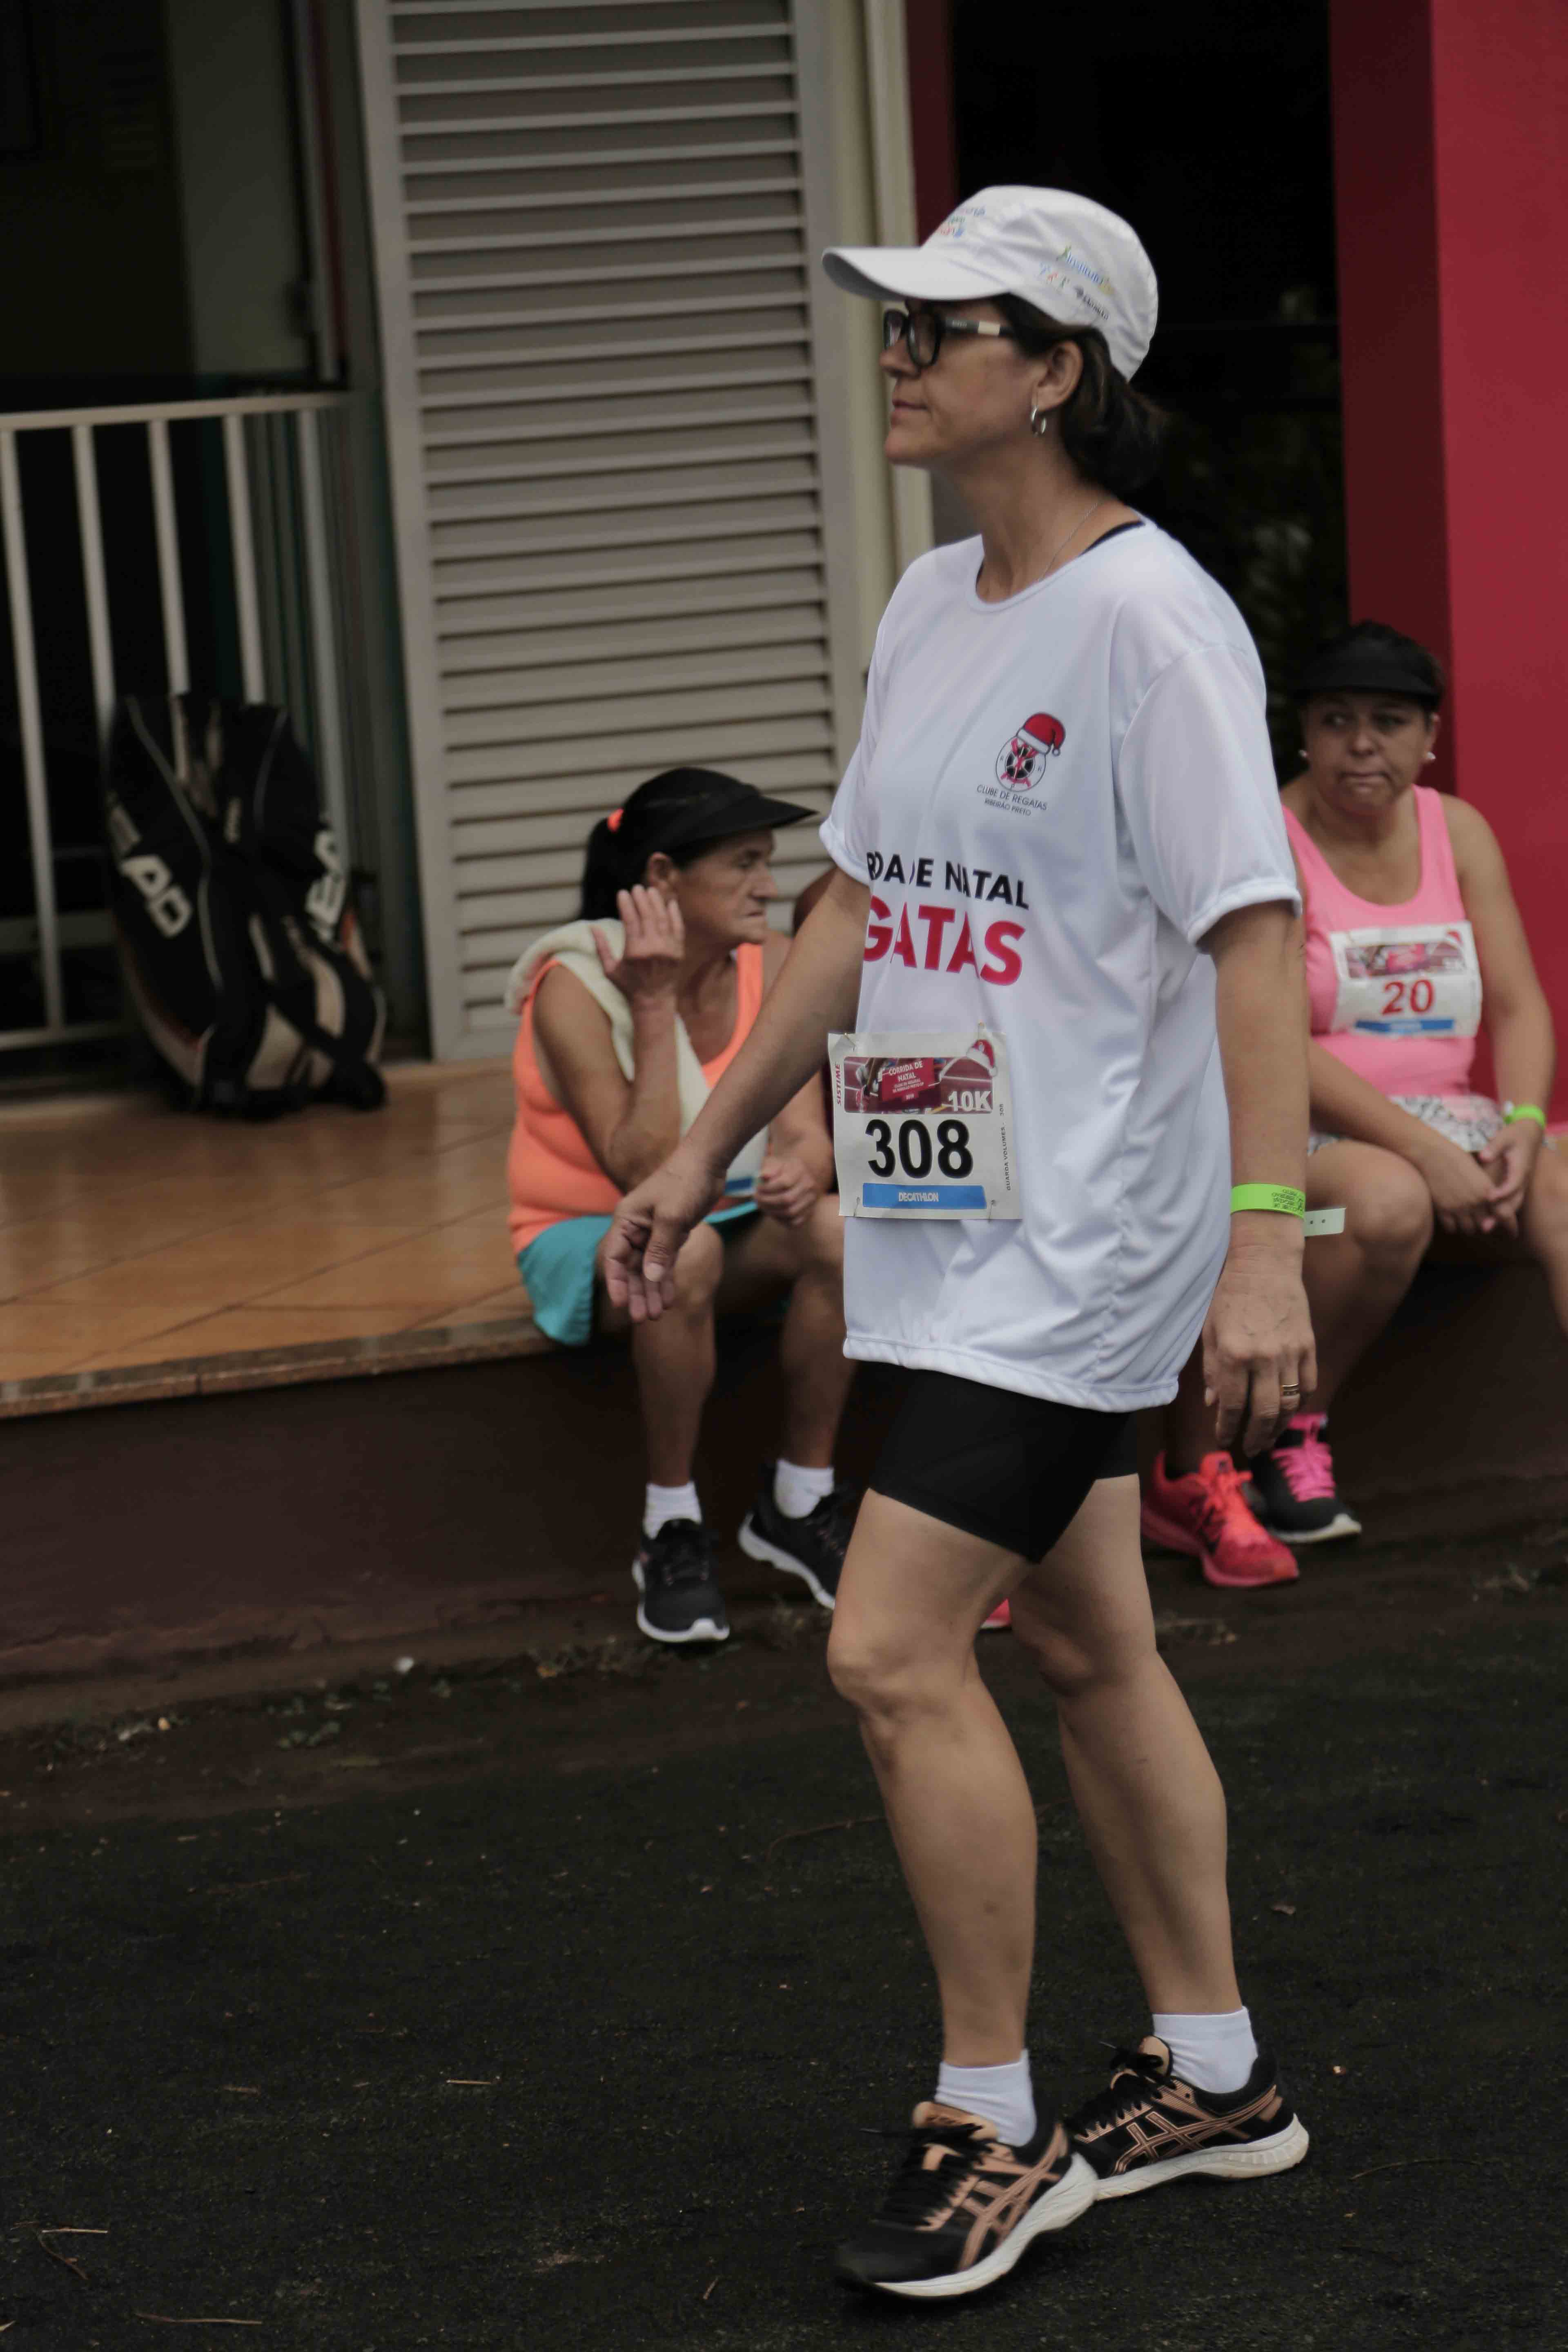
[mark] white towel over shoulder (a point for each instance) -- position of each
(573, 945)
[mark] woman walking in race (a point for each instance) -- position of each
(1061, 872)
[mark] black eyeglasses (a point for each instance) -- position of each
(921, 332)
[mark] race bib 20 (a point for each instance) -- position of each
(1407, 979)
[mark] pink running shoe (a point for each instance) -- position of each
(1205, 1515)
(999, 1619)
(1297, 1496)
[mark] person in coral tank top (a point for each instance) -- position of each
(1413, 945)
(627, 1018)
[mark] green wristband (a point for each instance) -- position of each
(1511, 1111)
(1284, 1200)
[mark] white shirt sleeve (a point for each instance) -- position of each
(1195, 779)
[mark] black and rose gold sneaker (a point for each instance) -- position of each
(963, 2206)
(1150, 2127)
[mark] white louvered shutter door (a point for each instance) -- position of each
(594, 269)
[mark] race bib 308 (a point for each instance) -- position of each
(922, 1124)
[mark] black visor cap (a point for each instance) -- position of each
(724, 807)
(1369, 669)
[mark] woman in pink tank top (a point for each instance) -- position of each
(1414, 947)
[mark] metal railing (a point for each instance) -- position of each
(279, 499)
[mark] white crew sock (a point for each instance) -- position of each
(1212, 2050)
(1002, 2094)
(797, 1490)
(661, 1503)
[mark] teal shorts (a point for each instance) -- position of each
(557, 1270)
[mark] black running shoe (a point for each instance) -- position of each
(1294, 1494)
(680, 1597)
(812, 1548)
(1150, 2127)
(963, 2206)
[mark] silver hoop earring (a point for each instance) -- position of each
(1039, 421)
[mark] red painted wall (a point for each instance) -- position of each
(1451, 183)
(933, 134)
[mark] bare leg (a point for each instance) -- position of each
(816, 1372)
(1543, 1226)
(959, 1807)
(673, 1359)
(1190, 1428)
(910, 1602)
(1355, 1280)
(1149, 1798)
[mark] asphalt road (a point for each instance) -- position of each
(508, 2008)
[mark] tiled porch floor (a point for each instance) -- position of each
(133, 1235)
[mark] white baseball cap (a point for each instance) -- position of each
(1078, 264)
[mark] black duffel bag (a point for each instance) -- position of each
(232, 910)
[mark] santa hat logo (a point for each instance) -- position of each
(1021, 762)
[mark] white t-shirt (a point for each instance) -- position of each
(1053, 799)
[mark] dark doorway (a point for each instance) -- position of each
(1209, 129)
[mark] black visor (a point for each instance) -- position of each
(1371, 668)
(714, 807)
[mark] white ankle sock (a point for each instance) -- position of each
(1212, 2050)
(661, 1503)
(797, 1490)
(1002, 2094)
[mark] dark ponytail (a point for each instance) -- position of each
(605, 872)
(1111, 433)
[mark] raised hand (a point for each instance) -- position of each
(651, 961)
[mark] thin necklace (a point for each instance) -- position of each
(1087, 517)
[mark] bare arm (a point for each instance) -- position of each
(1518, 1018)
(798, 1169)
(630, 1126)
(1258, 1337)
(1344, 1103)
(800, 1130)
(816, 991)
(1517, 1015)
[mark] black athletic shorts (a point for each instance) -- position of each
(1008, 1468)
